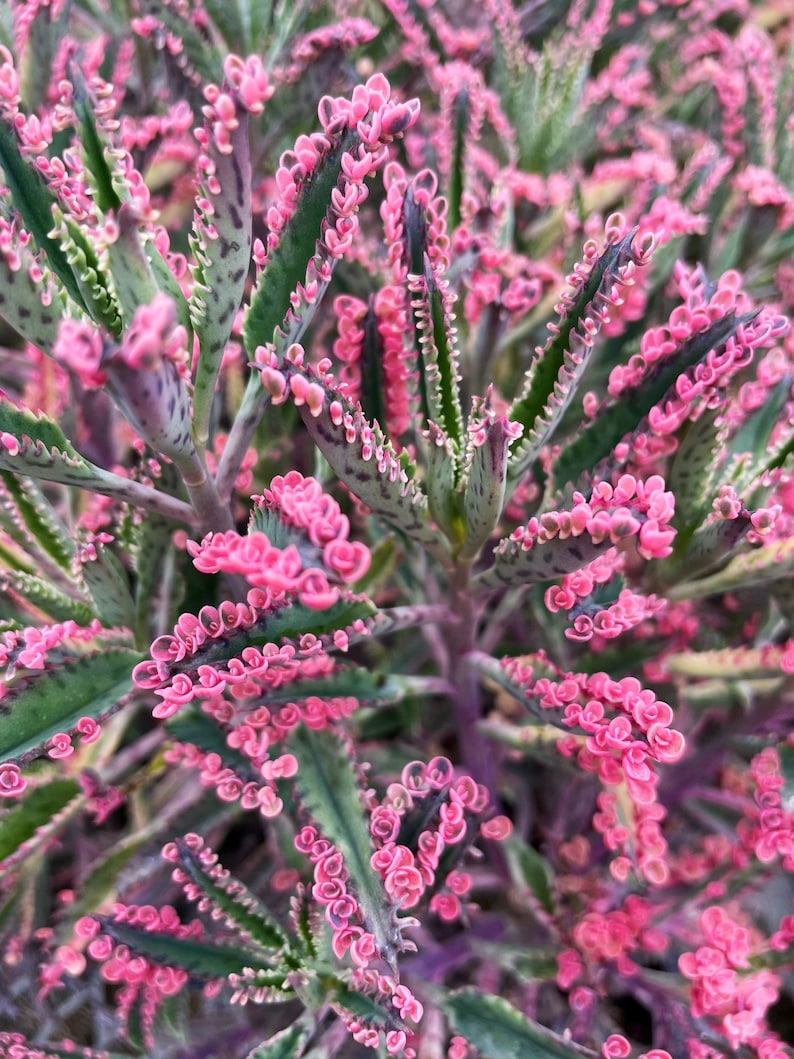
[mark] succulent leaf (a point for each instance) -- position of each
(222, 248)
(440, 475)
(362, 457)
(694, 468)
(201, 959)
(499, 1031)
(54, 700)
(286, 265)
(485, 486)
(34, 201)
(101, 302)
(40, 519)
(366, 1009)
(37, 808)
(248, 915)
(286, 1044)
(32, 307)
(109, 586)
(597, 439)
(492, 669)
(513, 565)
(41, 593)
(769, 563)
(327, 786)
(554, 378)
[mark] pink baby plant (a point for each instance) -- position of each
(396, 438)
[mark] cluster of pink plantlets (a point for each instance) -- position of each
(396, 440)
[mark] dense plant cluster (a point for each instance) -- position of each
(396, 529)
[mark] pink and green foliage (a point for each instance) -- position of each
(396, 529)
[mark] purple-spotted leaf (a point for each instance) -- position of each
(362, 457)
(33, 307)
(54, 700)
(221, 244)
(692, 475)
(485, 486)
(156, 403)
(440, 478)
(514, 565)
(499, 1031)
(329, 791)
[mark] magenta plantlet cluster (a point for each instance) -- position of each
(396, 529)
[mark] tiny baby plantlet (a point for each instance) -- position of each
(395, 532)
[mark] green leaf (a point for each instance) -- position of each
(366, 1009)
(287, 262)
(709, 547)
(514, 566)
(597, 439)
(222, 249)
(498, 1031)
(34, 201)
(485, 487)
(292, 621)
(438, 357)
(94, 150)
(370, 469)
(152, 548)
(110, 588)
(771, 562)
(752, 445)
(199, 958)
(36, 809)
(557, 371)
(54, 700)
(40, 519)
(328, 788)
(494, 671)
(692, 475)
(21, 301)
(47, 597)
(242, 910)
(286, 1044)
(101, 301)
(193, 726)
(532, 869)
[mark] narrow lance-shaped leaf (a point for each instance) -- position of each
(47, 597)
(35, 445)
(291, 621)
(769, 563)
(493, 670)
(499, 1031)
(438, 358)
(287, 263)
(485, 486)
(755, 452)
(54, 700)
(109, 586)
(103, 305)
(710, 546)
(222, 248)
(327, 786)
(514, 565)
(287, 1044)
(240, 907)
(202, 959)
(36, 809)
(361, 456)
(40, 519)
(693, 470)
(34, 201)
(559, 367)
(596, 441)
(441, 472)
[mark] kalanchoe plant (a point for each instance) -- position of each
(396, 536)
